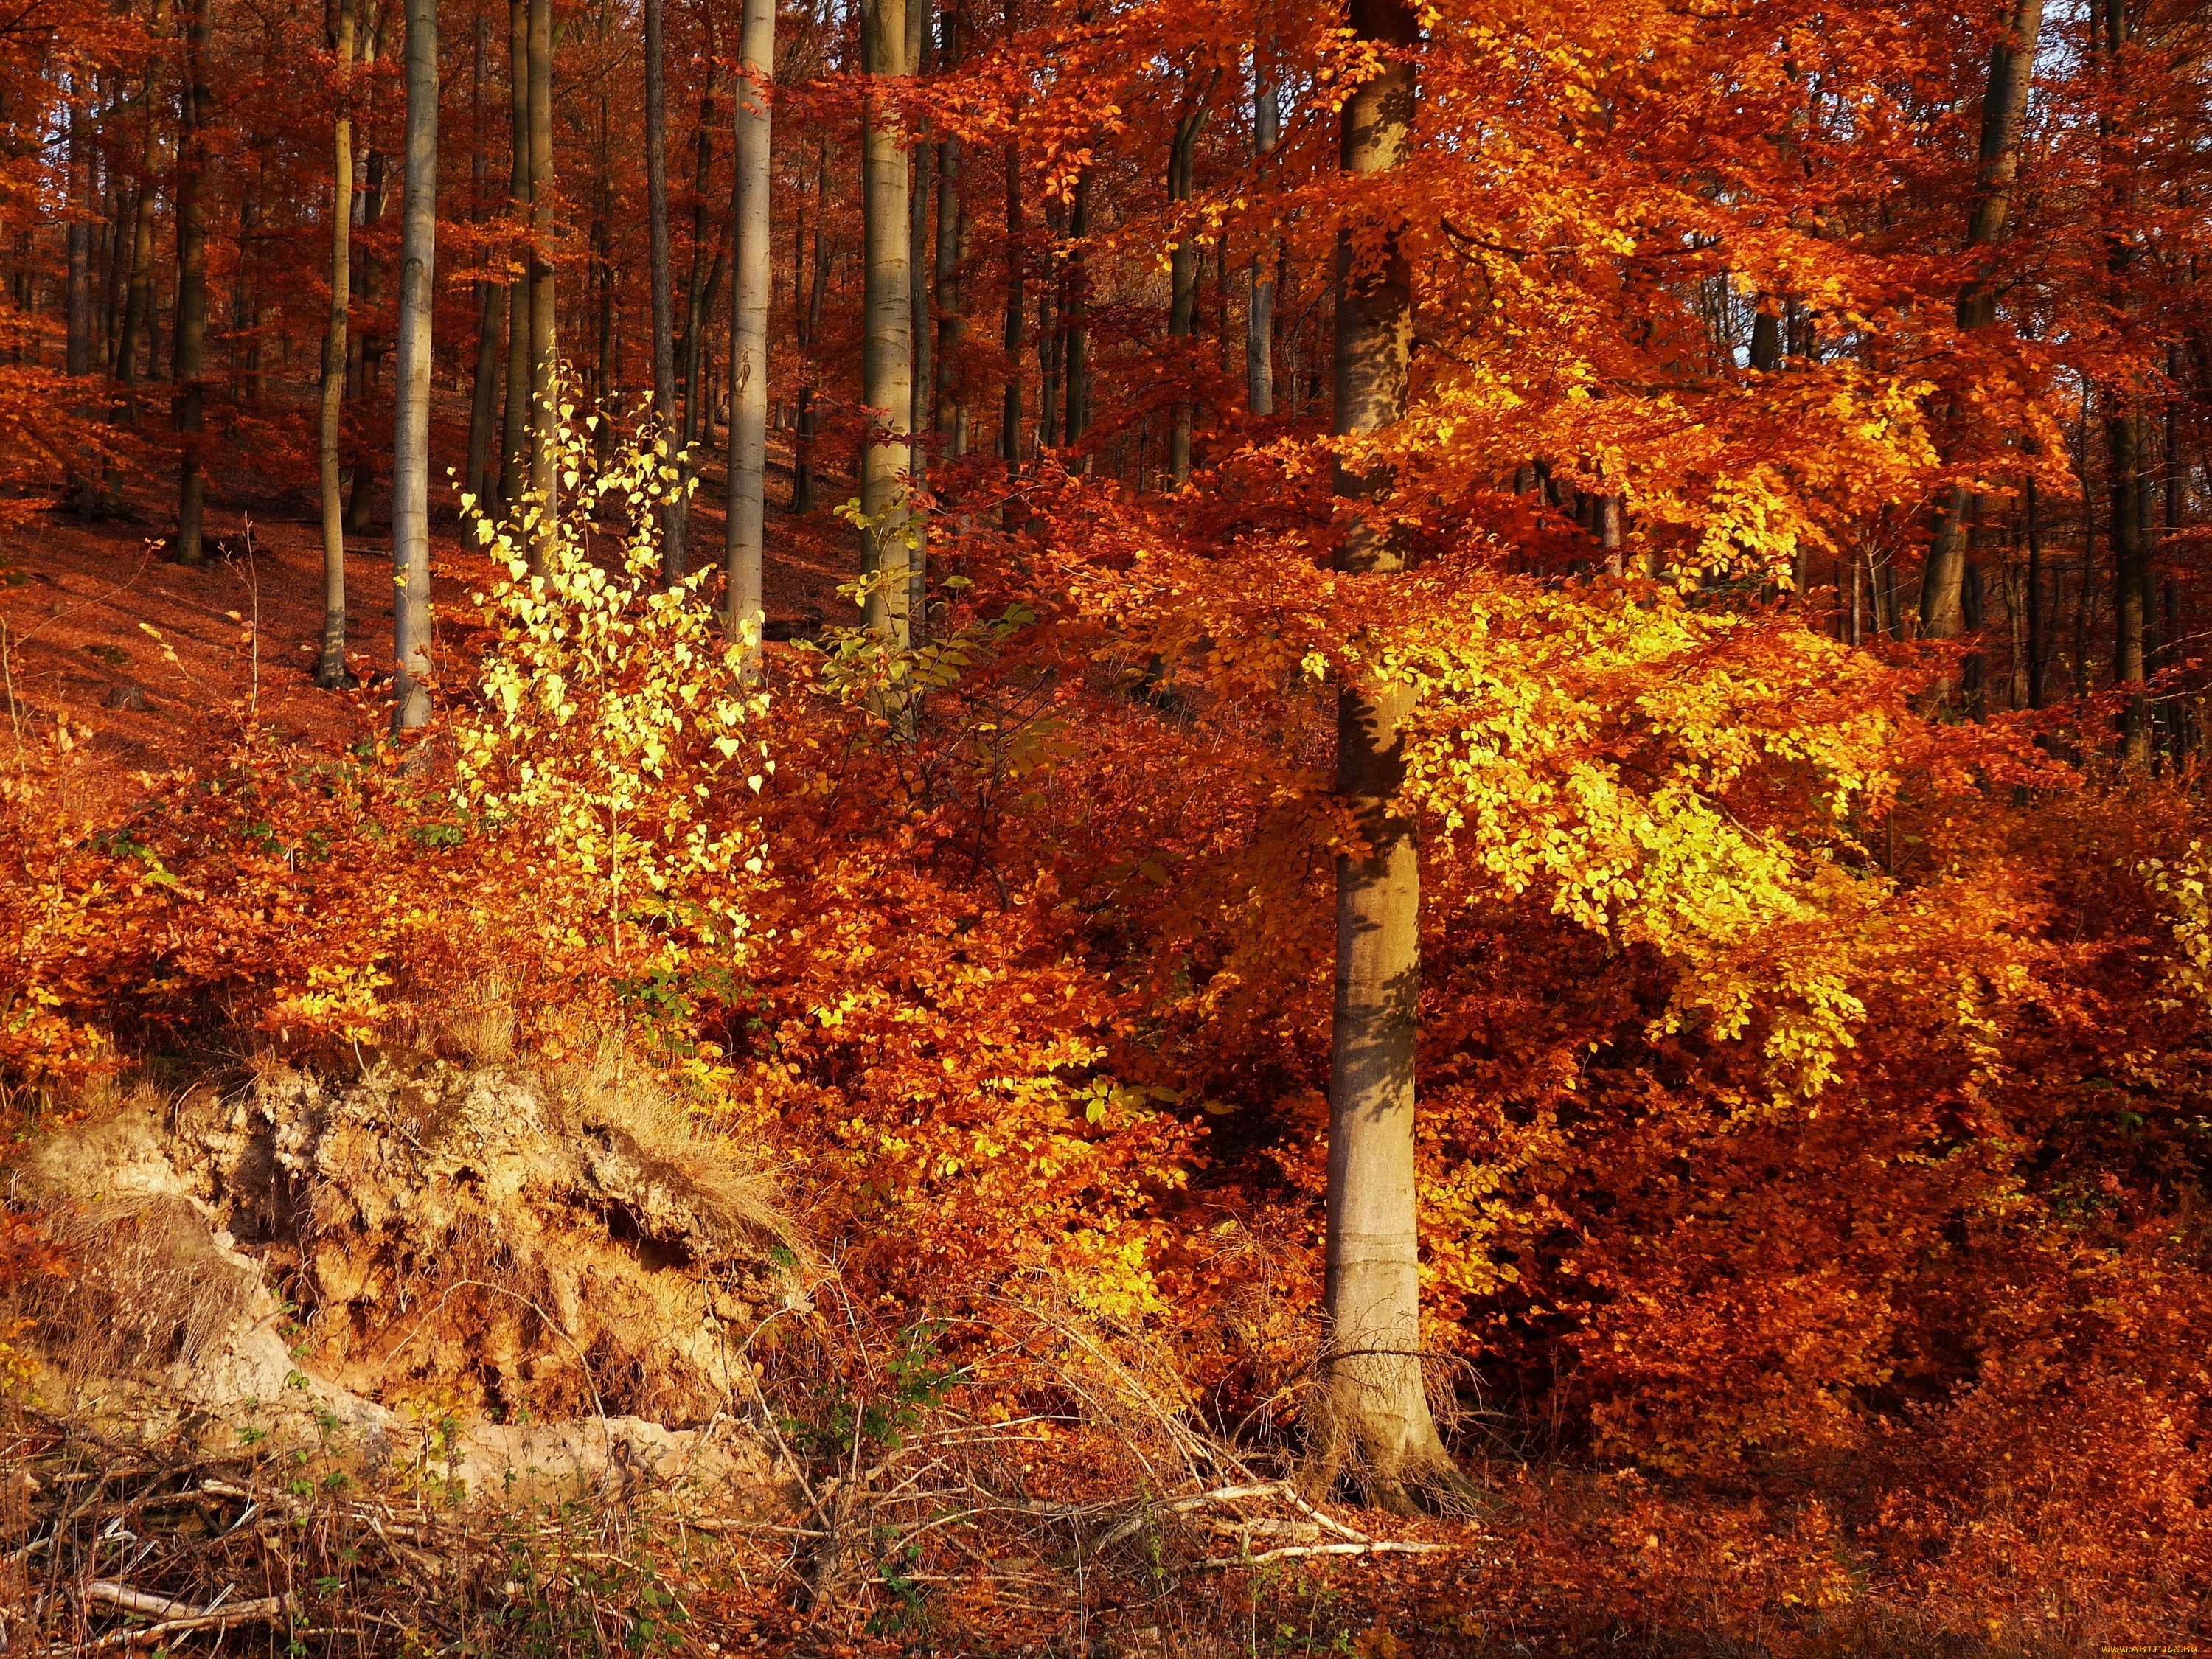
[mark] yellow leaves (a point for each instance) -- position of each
(589, 737)
(1588, 748)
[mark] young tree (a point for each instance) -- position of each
(748, 305)
(330, 666)
(411, 432)
(887, 350)
(1259, 315)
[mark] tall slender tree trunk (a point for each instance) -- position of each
(138, 297)
(1183, 268)
(484, 400)
(246, 301)
(673, 560)
(77, 356)
(2039, 646)
(1075, 310)
(515, 422)
(1259, 315)
(951, 320)
(411, 428)
(544, 348)
(1376, 1405)
(1010, 413)
(330, 666)
(701, 284)
(192, 285)
(802, 473)
(749, 307)
(2134, 582)
(887, 346)
(2004, 106)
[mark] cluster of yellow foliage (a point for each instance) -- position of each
(613, 720)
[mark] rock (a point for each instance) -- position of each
(565, 1266)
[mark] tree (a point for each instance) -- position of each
(2004, 107)
(1259, 317)
(491, 297)
(1376, 1408)
(749, 310)
(411, 432)
(887, 350)
(330, 667)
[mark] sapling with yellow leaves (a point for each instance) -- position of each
(615, 741)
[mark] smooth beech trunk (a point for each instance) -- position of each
(1376, 1416)
(887, 346)
(330, 666)
(749, 308)
(2004, 107)
(1259, 315)
(410, 427)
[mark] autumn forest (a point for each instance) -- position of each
(1095, 827)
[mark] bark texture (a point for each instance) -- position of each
(410, 429)
(1377, 1417)
(887, 348)
(748, 306)
(330, 667)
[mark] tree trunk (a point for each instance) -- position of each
(1078, 277)
(483, 401)
(1377, 1407)
(330, 667)
(1183, 271)
(2038, 647)
(138, 297)
(802, 473)
(922, 378)
(749, 308)
(411, 428)
(514, 425)
(544, 349)
(77, 356)
(699, 287)
(1010, 413)
(673, 562)
(193, 286)
(1260, 314)
(951, 250)
(887, 347)
(2004, 106)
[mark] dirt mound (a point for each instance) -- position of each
(510, 1244)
